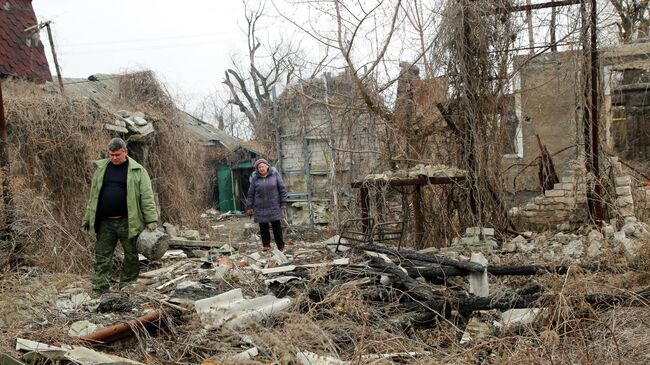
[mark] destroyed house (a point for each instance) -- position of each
(327, 140)
(21, 52)
(231, 157)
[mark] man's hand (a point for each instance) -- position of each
(283, 207)
(85, 225)
(250, 212)
(152, 226)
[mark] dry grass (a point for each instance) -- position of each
(53, 141)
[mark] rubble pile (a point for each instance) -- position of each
(216, 302)
(418, 170)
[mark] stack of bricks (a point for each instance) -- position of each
(624, 200)
(555, 208)
(478, 237)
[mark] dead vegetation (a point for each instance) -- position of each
(53, 141)
(353, 314)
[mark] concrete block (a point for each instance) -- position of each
(531, 206)
(478, 282)
(563, 186)
(469, 240)
(539, 200)
(557, 206)
(115, 128)
(567, 200)
(554, 193)
(623, 191)
(623, 181)
(472, 231)
(487, 231)
(624, 201)
(568, 179)
(626, 211)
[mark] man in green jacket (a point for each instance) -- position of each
(121, 203)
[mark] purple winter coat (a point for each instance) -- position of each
(266, 195)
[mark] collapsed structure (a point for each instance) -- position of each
(579, 295)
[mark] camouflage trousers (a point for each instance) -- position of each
(110, 231)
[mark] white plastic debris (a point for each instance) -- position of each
(310, 358)
(81, 328)
(231, 310)
(519, 316)
(86, 356)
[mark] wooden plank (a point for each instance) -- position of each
(176, 243)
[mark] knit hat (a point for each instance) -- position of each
(260, 161)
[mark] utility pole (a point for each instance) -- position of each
(529, 21)
(598, 213)
(37, 28)
(552, 26)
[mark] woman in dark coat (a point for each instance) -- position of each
(267, 202)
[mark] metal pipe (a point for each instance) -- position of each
(598, 206)
(122, 330)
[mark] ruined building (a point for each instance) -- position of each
(327, 139)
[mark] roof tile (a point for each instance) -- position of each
(16, 57)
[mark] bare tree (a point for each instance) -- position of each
(251, 87)
(215, 109)
(634, 18)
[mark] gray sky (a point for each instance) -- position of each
(187, 43)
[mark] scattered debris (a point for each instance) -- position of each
(233, 311)
(152, 245)
(82, 328)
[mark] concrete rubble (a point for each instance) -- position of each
(229, 289)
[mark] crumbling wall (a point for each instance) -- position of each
(546, 106)
(324, 129)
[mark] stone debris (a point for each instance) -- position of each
(82, 328)
(475, 329)
(234, 286)
(478, 282)
(152, 244)
(134, 124)
(419, 170)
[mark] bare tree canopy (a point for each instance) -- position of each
(634, 18)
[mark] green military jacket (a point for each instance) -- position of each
(140, 201)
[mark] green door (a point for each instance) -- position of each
(224, 182)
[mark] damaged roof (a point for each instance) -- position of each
(22, 53)
(103, 89)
